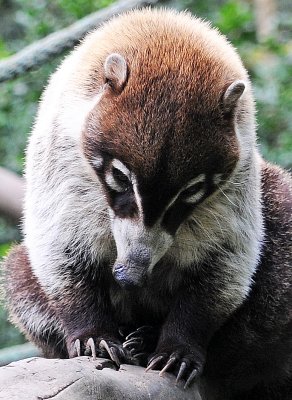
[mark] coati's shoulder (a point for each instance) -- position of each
(277, 196)
(275, 269)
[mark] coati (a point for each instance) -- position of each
(148, 205)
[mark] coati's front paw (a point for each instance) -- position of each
(187, 364)
(98, 347)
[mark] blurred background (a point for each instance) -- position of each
(260, 29)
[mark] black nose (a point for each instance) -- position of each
(128, 277)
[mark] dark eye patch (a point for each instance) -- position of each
(121, 179)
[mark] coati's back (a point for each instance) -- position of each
(143, 174)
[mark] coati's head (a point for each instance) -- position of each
(166, 132)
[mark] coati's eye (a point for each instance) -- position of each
(193, 193)
(117, 177)
(121, 180)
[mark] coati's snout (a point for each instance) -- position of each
(133, 271)
(129, 275)
(138, 250)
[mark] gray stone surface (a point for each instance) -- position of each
(84, 379)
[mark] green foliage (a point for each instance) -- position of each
(4, 52)
(39, 18)
(271, 72)
(270, 68)
(9, 336)
(235, 19)
(80, 8)
(4, 248)
(18, 105)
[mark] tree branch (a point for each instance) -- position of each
(11, 194)
(54, 44)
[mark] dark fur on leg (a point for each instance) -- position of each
(29, 307)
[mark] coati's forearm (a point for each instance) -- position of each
(52, 321)
(188, 322)
(84, 316)
(201, 309)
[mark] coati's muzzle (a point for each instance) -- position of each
(138, 251)
(133, 272)
(127, 277)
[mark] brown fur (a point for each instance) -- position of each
(193, 87)
(25, 293)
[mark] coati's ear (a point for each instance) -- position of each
(116, 72)
(232, 95)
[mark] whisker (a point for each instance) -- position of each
(218, 223)
(209, 237)
(224, 194)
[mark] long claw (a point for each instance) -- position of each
(121, 331)
(103, 345)
(131, 336)
(169, 363)
(90, 343)
(133, 351)
(132, 342)
(191, 378)
(111, 351)
(137, 331)
(114, 356)
(154, 362)
(77, 347)
(181, 371)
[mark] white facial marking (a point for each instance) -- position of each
(199, 178)
(194, 198)
(113, 182)
(132, 237)
(121, 167)
(97, 161)
(137, 196)
(132, 178)
(110, 180)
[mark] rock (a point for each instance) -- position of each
(85, 379)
